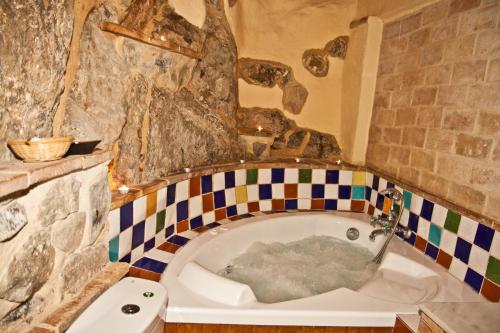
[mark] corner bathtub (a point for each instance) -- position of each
(403, 280)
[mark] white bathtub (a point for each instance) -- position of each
(404, 279)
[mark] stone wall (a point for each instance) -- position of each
(53, 240)
(436, 116)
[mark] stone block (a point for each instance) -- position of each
(338, 47)
(393, 46)
(68, 233)
(431, 54)
(406, 117)
(375, 135)
(414, 136)
(452, 96)
(423, 160)
(434, 184)
(496, 152)
(444, 30)
(493, 206)
(401, 98)
(409, 175)
(459, 194)
(408, 61)
(439, 140)
(473, 146)
(438, 74)
(322, 146)
(480, 19)
(419, 38)
(399, 155)
(489, 177)
(430, 117)
(387, 65)
(80, 267)
(484, 97)
(436, 12)
(411, 23)
(392, 135)
(461, 48)
(493, 74)
(489, 123)
(388, 83)
(458, 6)
(382, 100)
(459, 120)
(424, 96)
(454, 168)
(391, 30)
(384, 118)
(12, 219)
(294, 97)
(100, 201)
(60, 201)
(377, 155)
(316, 62)
(411, 79)
(469, 71)
(271, 120)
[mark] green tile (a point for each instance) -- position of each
(160, 221)
(113, 248)
(435, 235)
(252, 176)
(407, 198)
(305, 176)
(493, 270)
(452, 221)
(358, 193)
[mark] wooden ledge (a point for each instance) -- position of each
(17, 176)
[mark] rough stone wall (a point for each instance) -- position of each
(53, 240)
(436, 116)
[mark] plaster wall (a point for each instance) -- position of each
(389, 10)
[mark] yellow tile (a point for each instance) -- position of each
(358, 178)
(241, 194)
(151, 204)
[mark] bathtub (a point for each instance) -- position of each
(403, 280)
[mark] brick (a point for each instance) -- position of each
(430, 117)
(419, 38)
(493, 74)
(459, 48)
(434, 184)
(411, 23)
(424, 96)
(407, 116)
(434, 13)
(388, 83)
(438, 74)
(484, 97)
(391, 30)
(488, 43)
(411, 79)
(432, 54)
(439, 140)
(392, 135)
(414, 136)
(496, 152)
(377, 155)
(385, 118)
(409, 175)
(459, 120)
(382, 100)
(394, 46)
(401, 98)
(469, 71)
(387, 65)
(488, 176)
(399, 155)
(493, 207)
(422, 159)
(458, 6)
(489, 123)
(444, 30)
(465, 195)
(452, 96)
(408, 61)
(481, 19)
(472, 146)
(453, 167)
(375, 135)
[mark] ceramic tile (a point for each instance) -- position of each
(478, 259)
(484, 237)
(265, 205)
(416, 204)
(241, 194)
(194, 186)
(240, 177)
(219, 181)
(331, 191)
(150, 227)
(435, 234)
(253, 193)
(458, 269)
(206, 184)
(423, 228)
(171, 189)
(462, 250)
(125, 243)
(114, 223)
(304, 191)
(495, 245)
(344, 205)
(277, 176)
(252, 175)
(195, 206)
(291, 176)
(332, 176)
(161, 199)
(473, 279)
(182, 191)
(264, 176)
(439, 215)
(242, 208)
(139, 210)
(305, 175)
(467, 229)
(493, 270)
(448, 241)
(318, 191)
(229, 179)
(318, 176)
(278, 191)
(452, 221)
(151, 204)
(265, 192)
(208, 217)
(230, 197)
(358, 178)
(345, 177)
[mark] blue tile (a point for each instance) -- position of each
(380, 201)
(149, 244)
(376, 181)
(291, 204)
(150, 265)
(330, 204)
(138, 234)
(231, 211)
(318, 191)
(126, 216)
(213, 225)
(426, 211)
(265, 191)
(170, 194)
(169, 231)
(462, 250)
(229, 179)
(220, 199)
(126, 258)
(368, 192)
(344, 192)
(277, 176)
(182, 210)
(114, 248)
(411, 240)
(178, 240)
(413, 222)
(473, 279)
(390, 185)
(332, 177)
(358, 193)
(206, 184)
(484, 237)
(432, 251)
(247, 215)
(196, 222)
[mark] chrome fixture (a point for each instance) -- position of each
(389, 224)
(352, 234)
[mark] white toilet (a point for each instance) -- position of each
(131, 306)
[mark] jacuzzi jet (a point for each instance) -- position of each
(228, 269)
(352, 234)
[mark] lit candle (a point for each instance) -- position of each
(242, 161)
(339, 162)
(259, 128)
(187, 170)
(123, 189)
(297, 159)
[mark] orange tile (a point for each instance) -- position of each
(194, 186)
(371, 210)
(169, 247)
(317, 204)
(278, 205)
(444, 259)
(387, 205)
(220, 214)
(491, 291)
(235, 218)
(143, 274)
(253, 207)
(420, 243)
(290, 191)
(202, 229)
(357, 205)
(151, 204)
(182, 226)
(208, 202)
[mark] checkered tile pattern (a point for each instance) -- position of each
(141, 230)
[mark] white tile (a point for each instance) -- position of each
(230, 196)
(160, 238)
(150, 227)
(399, 188)
(343, 204)
(448, 242)
(160, 255)
(219, 181)
(373, 198)
(182, 191)
(478, 259)
(170, 215)
(161, 199)
(139, 210)
(439, 215)
(125, 243)
(331, 191)
(114, 223)
(304, 203)
(264, 176)
(423, 228)
(458, 269)
(137, 253)
(195, 206)
(382, 184)
(253, 193)
(416, 204)
(190, 234)
(265, 205)
(208, 217)
(278, 191)
(242, 208)
(304, 191)
(467, 229)
(495, 246)
(291, 176)
(345, 177)
(240, 177)
(369, 179)
(318, 176)
(405, 217)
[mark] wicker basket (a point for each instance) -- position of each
(44, 149)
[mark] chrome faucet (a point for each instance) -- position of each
(389, 224)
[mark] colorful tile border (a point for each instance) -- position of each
(140, 230)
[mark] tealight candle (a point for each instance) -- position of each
(123, 189)
(187, 170)
(339, 162)
(242, 161)
(259, 128)
(297, 159)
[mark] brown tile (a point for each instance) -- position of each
(290, 191)
(182, 226)
(371, 209)
(220, 214)
(208, 202)
(317, 204)
(235, 218)
(202, 229)
(144, 274)
(357, 205)
(194, 186)
(278, 205)
(254, 206)
(420, 243)
(169, 247)
(444, 259)
(491, 291)
(151, 202)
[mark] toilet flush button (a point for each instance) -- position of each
(130, 309)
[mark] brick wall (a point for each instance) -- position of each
(436, 115)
